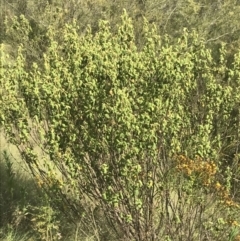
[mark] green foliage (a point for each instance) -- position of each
(213, 21)
(44, 223)
(109, 119)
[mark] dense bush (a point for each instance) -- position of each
(149, 136)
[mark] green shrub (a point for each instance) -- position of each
(110, 119)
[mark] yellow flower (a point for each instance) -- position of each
(218, 186)
(229, 202)
(189, 171)
(235, 223)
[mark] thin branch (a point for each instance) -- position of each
(169, 16)
(220, 36)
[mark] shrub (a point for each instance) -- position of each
(110, 120)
